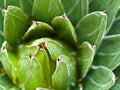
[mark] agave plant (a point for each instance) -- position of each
(56, 45)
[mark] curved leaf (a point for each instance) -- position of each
(46, 10)
(109, 6)
(85, 57)
(64, 29)
(108, 54)
(116, 86)
(76, 9)
(92, 28)
(99, 78)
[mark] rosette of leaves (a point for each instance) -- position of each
(60, 45)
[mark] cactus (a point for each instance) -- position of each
(59, 45)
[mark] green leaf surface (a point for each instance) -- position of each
(9, 61)
(109, 6)
(85, 57)
(38, 30)
(75, 9)
(6, 84)
(92, 28)
(46, 10)
(108, 54)
(30, 73)
(64, 29)
(116, 86)
(99, 78)
(60, 78)
(16, 24)
(115, 29)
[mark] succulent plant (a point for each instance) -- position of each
(60, 45)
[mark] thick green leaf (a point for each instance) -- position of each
(75, 9)
(115, 29)
(16, 24)
(91, 28)
(9, 61)
(108, 54)
(46, 10)
(116, 86)
(38, 30)
(6, 84)
(99, 78)
(109, 6)
(60, 78)
(85, 57)
(30, 73)
(64, 29)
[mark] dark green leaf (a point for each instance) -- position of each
(92, 28)
(46, 10)
(75, 9)
(109, 6)
(99, 78)
(108, 54)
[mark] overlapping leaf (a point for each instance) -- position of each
(108, 54)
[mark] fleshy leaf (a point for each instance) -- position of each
(9, 61)
(6, 83)
(38, 30)
(16, 24)
(85, 57)
(75, 9)
(60, 78)
(30, 73)
(46, 10)
(108, 54)
(64, 29)
(99, 78)
(109, 6)
(116, 86)
(92, 28)
(115, 29)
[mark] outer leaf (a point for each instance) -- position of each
(46, 10)
(9, 61)
(109, 52)
(99, 78)
(116, 86)
(75, 9)
(91, 28)
(16, 24)
(109, 6)
(30, 73)
(115, 29)
(38, 30)
(64, 29)
(6, 84)
(85, 57)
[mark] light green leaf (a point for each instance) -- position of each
(46, 10)
(108, 54)
(85, 57)
(116, 86)
(30, 73)
(109, 6)
(92, 28)
(99, 78)
(64, 29)
(75, 9)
